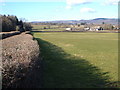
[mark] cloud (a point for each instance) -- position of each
(90, 10)
(68, 7)
(111, 2)
(2, 1)
(71, 3)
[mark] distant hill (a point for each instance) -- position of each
(105, 20)
(101, 19)
(94, 21)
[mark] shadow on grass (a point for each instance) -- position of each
(61, 70)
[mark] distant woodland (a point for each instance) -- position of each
(12, 23)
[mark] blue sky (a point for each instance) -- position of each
(49, 10)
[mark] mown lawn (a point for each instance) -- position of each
(78, 60)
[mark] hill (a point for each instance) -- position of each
(94, 21)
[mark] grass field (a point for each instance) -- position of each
(78, 59)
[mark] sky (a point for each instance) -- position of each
(51, 10)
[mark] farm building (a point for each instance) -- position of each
(96, 28)
(68, 29)
(86, 29)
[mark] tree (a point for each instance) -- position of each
(44, 28)
(27, 26)
(83, 23)
(20, 24)
(78, 25)
(6, 24)
(11, 23)
(103, 22)
(14, 21)
(112, 27)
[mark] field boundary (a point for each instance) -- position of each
(81, 31)
(4, 35)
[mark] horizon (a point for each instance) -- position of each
(62, 10)
(75, 20)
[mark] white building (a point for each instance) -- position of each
(96, 28)
(86, 29)
(68, 29)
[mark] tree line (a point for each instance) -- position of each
(12, 23)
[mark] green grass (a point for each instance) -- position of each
(78, 59)
(42, 26)
(60, 29)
